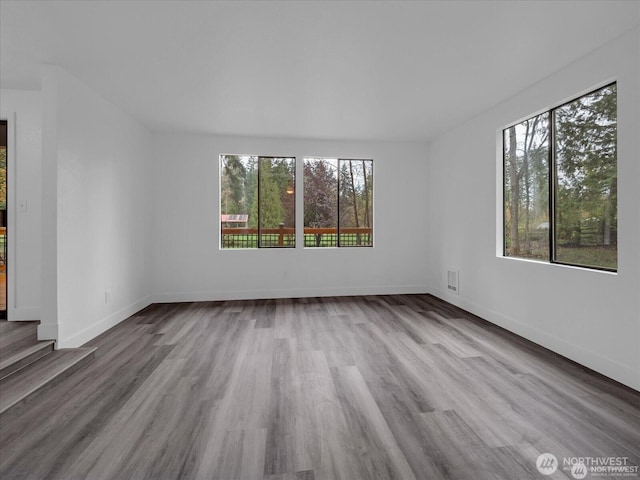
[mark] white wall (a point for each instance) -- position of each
(189, 266)
(23, 111)
(137, 214)
(99, 160)
(591, 317)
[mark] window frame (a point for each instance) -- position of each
(259, 240)
(338, 160)
(552, 181)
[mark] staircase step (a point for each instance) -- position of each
(15, 334)
(30, 382)
(26, 354)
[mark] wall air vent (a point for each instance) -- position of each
(452, 281)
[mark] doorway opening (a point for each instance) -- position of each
(3, 219)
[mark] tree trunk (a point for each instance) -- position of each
(528, 147)
(367, 220)
(355, 200)
(609, 213)
(514, 248)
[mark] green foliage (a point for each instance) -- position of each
(587, 169)
(240, 175)
(264, 189)
(251, 189)
(283, 174)
(271, 211)
(586, 173)
(327, 240)
(603, 257)
(234, 174)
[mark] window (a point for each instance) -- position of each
(526, 164)
(560, 184)
(257, 201)
(338, 202)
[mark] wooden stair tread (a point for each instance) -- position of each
(24, 355)
(7, 356)
(15, 334)
(7, 327)
(39, 376)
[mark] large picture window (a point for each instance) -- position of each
(560, 184)
(257, 201)
(338, 202)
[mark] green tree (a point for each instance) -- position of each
(251, 188)
(586, 145)
(266, 208)
(585, 181)
(232, 184)
(283, 173)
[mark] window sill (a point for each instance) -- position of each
(560, 265)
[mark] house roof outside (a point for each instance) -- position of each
(234, 218)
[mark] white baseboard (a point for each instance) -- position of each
(22, 314)
(170, 297)
(610, 368)
(83, 336)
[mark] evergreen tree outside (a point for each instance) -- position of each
(233, 179)
(267, 207)
(587, 172)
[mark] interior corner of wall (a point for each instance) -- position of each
(48, 332)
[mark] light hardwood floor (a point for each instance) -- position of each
(386, 387)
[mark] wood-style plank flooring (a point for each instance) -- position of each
(386, 387)
(3, 288)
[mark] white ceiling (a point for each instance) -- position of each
(337, 70)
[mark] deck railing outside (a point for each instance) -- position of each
(285, 237)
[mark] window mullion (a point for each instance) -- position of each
(338, 196)
(259, 203)
(553, 181)
(504, 194)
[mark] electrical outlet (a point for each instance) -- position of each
(107, 296)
